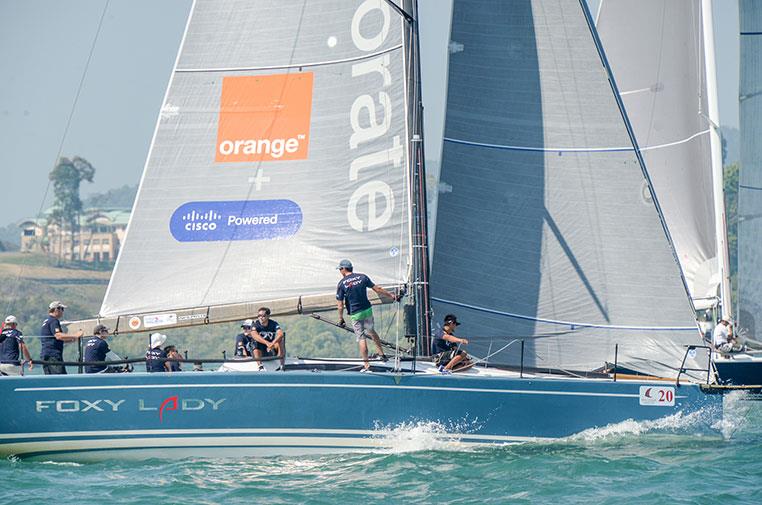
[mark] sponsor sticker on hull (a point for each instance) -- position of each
(235, 220)
(264, 117)
(659, 396)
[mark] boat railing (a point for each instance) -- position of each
(683, 368)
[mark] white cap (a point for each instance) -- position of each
(157, 339)
(248, 322)
(56, 305)
(10, 320)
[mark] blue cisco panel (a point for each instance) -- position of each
(236, 220)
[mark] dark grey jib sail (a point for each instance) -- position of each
(750, 177)
(282, 147)
(546, 227)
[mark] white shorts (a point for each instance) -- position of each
(10, 369)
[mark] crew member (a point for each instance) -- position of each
(445, 347)
(96, 349)
(352, 292)
(268, 337)
(723, 338)
(11, 342)
(156, 358)
(173, 354)
(244, 341)
(53, 339)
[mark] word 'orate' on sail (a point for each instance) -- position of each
(547, 230)
(750, 177)
(281, 148)
(656, 50)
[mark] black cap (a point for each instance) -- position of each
(451, 319)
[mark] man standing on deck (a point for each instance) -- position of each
(53, 339)
(11, 342)
(352, 291)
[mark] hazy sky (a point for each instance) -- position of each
(44, 49)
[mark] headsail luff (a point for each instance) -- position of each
(282, 147)
(750, 175)
(658, 52)
(552, 235)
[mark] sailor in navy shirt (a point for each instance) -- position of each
(96, 349)
(244, 341)
(156, 358)
(53, 339)
(352, 293)
(11, 345)
(445, 346)
(268, 336)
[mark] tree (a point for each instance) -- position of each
(67, 177)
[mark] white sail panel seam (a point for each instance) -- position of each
(574, 149)
(565, 323)
(291, 65)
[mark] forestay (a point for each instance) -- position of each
(656, 52)
(281, 148)
(750, 178)
(547, 230)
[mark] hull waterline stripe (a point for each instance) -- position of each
(565, 323)
(333, 386)
(280, 433)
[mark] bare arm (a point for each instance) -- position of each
(256, 336)
(381, 291)
(453, 338)
(340, 308)
(28, 356)
(66, 337)
(278, 337)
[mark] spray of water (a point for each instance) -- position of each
(423, 436)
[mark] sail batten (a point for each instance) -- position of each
(264, 170)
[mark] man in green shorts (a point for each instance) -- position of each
(352, 292)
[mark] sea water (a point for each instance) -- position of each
(673, 460)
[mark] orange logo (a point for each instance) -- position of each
(265, 117)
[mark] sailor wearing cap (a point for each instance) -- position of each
(11, 342)
(352, 292)
(722, 337)
(53, 339)
(156, 358)
(96, 349)
(243, 341)
(445, 346)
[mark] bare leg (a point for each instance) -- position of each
(281, 348)
(364, 352)
(258, 356)
(457, 359)
(376, 340)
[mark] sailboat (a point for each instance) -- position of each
(662, 56)
(291, 137)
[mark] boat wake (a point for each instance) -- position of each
(422, 436)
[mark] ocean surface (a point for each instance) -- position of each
(675, 460)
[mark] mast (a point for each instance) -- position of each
(713, 115)
(420, 257)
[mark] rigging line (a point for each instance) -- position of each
(290, 64)
(746, 186)
(17, 280)
(507, 147)
(565, 323)
(750, 33)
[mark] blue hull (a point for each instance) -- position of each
(232, 414)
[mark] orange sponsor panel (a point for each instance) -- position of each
(265, 117)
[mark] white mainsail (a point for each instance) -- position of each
(750, 176)
(658, 53)
(548, 231)
(282, 147)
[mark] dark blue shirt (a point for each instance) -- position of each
(242, 342)
(10, 338)
(156, 359)
(96, 350)
(267, 332)
(353, 289)
(51, 346)
(439, 344)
